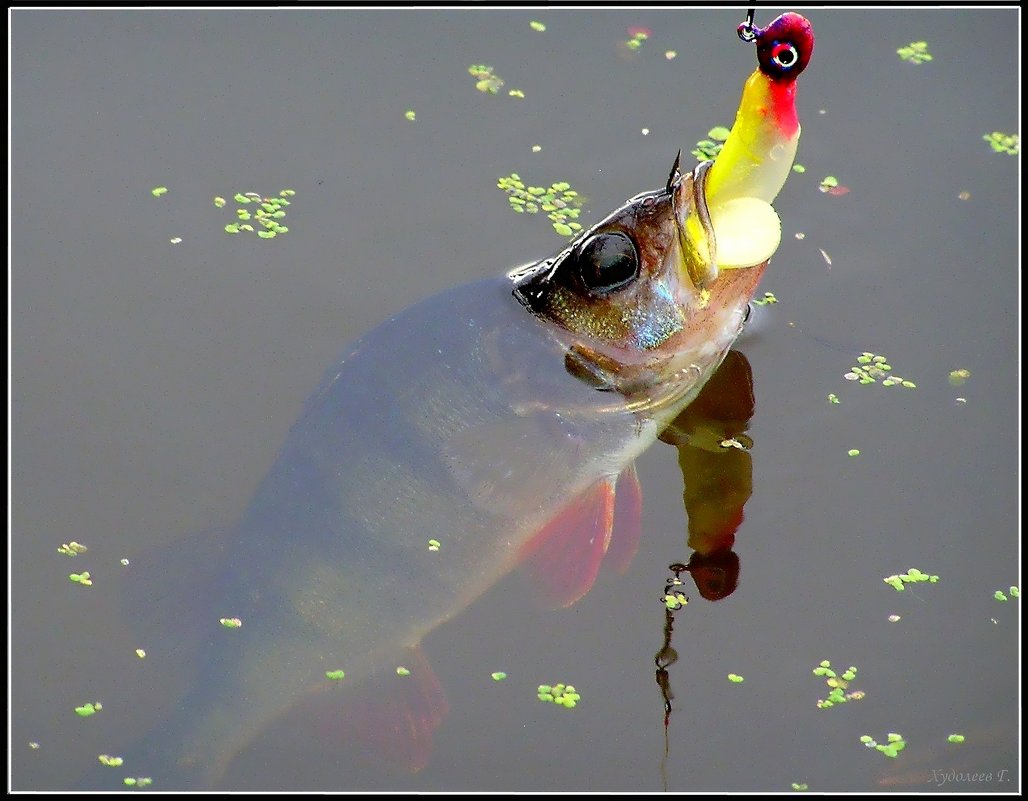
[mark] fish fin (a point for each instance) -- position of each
(564, 557)
(627, 531)
(387, 718)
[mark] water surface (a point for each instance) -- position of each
(152, 382)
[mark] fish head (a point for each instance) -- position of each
(632, 299)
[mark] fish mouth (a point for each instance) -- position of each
(689, 197)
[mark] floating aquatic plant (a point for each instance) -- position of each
(487, 80)
(157, 191)
(231, 622)
(335, 675)
(955, 738)
(798, 787)
(891, 749)
(410, 115)
(81, 578)
(561, 694)
(833, 398)
(138, 782)
(267, 211)
(535, 25)
(499, 675)
(958, 378)
(107, 759)
(88, 709)
(871, 367)
(735, 678)
(830, 184)
(837, 685)
(675, 600)
(559, 201)
(768, 299)
(708, 148)
(433, 545)
(1004, 143)
(636, 37)
(912, 576)
(72, 548)
(402, 671)
(915, 53)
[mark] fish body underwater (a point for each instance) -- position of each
(498, 419)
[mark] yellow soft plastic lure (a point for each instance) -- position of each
(756, 158)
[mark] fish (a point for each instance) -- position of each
(498, 422)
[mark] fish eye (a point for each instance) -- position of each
(784, 55)
(607, 262)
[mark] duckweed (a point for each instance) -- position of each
(891, 749)
(708, 148)
(81, 578)
(870, 367)
(833, 398)
(560, 202)
(1004, 143)
(636, 37)
(157, 191)
(837, 685)
(535, 25)
(433, 545)
(735, 678)
(141, 653)
(88, 709)
(487, 80)
(915, 53)
(958, 378)
(113, 762)
(675, 600)
(798, 787)
(402, 671)
(410, 115)
(267, 212)
(335, 675)
(955, 738)
(768, 299)
(561, 694)
(499, 675)
(231, 622)
(853, 452)
(72, 548)
(912, 576)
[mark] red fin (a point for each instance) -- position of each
(565, 556)
(624, 540)
(388, 719)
